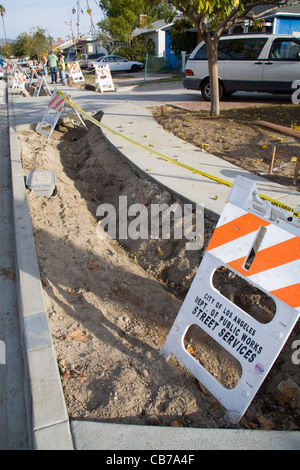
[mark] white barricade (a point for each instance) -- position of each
(75, 72)
(260, 243)
(56, 105)
(103, 79)
(19, 82)
(74, 116)
(33, 75)
(41, 83)
(54, 110)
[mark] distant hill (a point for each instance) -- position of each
(2, 41)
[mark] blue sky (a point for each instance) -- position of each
(23, 15)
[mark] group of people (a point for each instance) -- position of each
(56, 63)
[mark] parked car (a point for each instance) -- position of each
(22, 63)
(116, 64)
(96, 56)
(83, 59)
(255, 62)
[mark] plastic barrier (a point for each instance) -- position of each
(41, 83)
(54, 110)
(260, 243)
(56, 105)
(103, 79)
(19, 82)
(75, 72)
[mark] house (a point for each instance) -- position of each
(285, 20)
(159, 33)
(84, 47)
(156, 33)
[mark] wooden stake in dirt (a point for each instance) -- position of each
(297, 171)
(272, 160)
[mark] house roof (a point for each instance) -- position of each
(153, 28)
(287, 10)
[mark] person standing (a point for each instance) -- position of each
(44, 63)
(53, 64)
(62, 68)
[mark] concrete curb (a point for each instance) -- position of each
(49, 418)
(109, 436)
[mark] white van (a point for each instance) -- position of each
(249, 62)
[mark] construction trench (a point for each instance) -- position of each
(110, 305)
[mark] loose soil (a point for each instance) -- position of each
(112, 303)
(235, 137)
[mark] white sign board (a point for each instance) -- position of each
(41, 83)
(75, 72)
(274, 269)
(103, 79)
(54, 110)
(19, 82)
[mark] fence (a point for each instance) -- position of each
(171, 63)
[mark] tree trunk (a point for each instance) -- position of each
(212, 53)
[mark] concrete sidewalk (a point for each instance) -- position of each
(126, 114)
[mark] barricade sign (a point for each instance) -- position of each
(56, 105)
(33, 74)
(19, 82)
(103, 79)
(41, 83)
(74, 116)
(260, 245)
(75, 72)
(54, 110)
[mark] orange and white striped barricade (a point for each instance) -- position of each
(41, 83)
(19, 82)
(103, 79)
(11, 70)
(75, 72)
(54, 110)
(33, 75)
(259, 243)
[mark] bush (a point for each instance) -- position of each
(137, 50)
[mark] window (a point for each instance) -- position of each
(284, 49)
(108, 59)
(201, 54)
(235, 49)
(241, 49)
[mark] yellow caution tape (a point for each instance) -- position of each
(171, 160)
